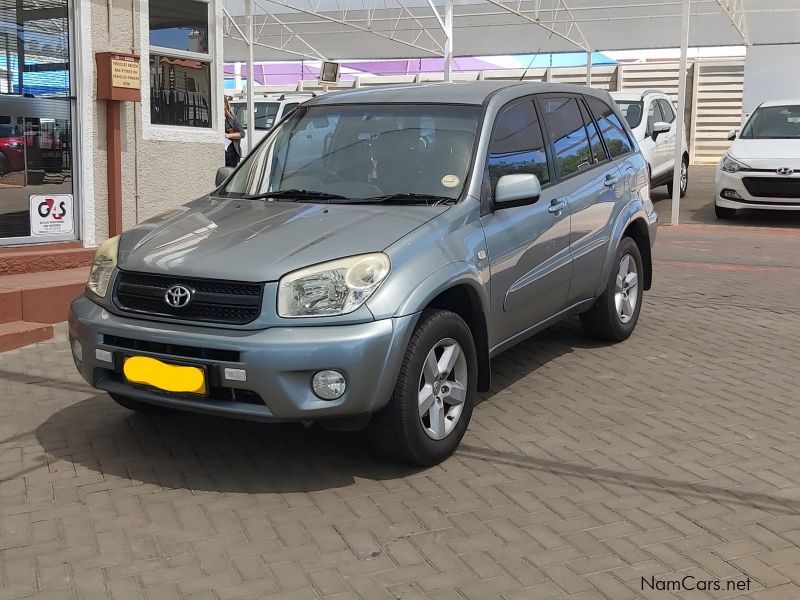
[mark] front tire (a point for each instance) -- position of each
(432, 401)
(724, 212)
(616, 312)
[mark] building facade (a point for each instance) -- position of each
(53, 131)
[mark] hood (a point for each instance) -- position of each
(767, 154)
(253, 240)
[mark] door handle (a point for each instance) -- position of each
(611, 181)
(556, 206)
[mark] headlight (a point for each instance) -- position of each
(105, 260)
(731, 165)
(336, 287)
(14, 144)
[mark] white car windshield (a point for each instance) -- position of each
(632, 111)
(265, 114)
(363, 152)
(773, 123)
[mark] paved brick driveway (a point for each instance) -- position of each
(586, 469)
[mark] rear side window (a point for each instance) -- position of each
(666, 110)
(568, 133)
(518, 144)
(595, 142)
(611, 128)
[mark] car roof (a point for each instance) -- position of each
(471, 92)
(784, 102)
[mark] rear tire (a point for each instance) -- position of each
(432, 401)
(616, 312)
(684, 178)
(723, 212)
(137, 405)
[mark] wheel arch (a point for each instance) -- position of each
(639, 232)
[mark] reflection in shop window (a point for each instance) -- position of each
(180, 92)
(180, 63)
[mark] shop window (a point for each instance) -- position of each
(181, 83)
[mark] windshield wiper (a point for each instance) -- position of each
(431, 199)
(296, 195)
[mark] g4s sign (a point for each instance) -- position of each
(51, 215)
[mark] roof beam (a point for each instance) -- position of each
(734, 9)
(565, 29)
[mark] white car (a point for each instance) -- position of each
(269, 109)
(761, 169)
(652, 117)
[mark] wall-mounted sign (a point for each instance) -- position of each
(118, 76)
(52, 214)
(125, 72)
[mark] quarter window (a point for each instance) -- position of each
(611, 128)
(518, 144)
(566, 129)
(180, 63)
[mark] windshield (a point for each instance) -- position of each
(265, 114)
(364, 151)
(773, 123)
(632, 111)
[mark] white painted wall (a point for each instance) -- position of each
(770, 73)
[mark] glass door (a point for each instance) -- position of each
(37, 201)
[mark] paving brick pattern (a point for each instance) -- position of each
(586, 469)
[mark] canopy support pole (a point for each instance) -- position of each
(588, 69)
(251, 117)
(679, 124)
(448, 40)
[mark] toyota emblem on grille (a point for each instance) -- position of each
(785, 171)
(178, 296)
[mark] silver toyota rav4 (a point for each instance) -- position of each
(370, 257)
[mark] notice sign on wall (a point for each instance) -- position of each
(125, 72)
(52, 215)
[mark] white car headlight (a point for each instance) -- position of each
(731, 165)
(105, 261)
(336, 287)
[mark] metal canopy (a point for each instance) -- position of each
(375, 29)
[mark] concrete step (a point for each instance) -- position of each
(21, 333)
(54, 257)
(42, 297)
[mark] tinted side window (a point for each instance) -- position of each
(517, 144)
(653, 115)
(565, 125)
(599, 153)
(611, 128)
(666, 110)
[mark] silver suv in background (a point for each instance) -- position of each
(651, 116)
(364, 264)
(269, 109)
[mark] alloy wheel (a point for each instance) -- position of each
(626, 294)
(442, 388)
(684, 177)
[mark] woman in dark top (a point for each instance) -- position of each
(234, 133)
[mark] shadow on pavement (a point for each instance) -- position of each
(197, 452)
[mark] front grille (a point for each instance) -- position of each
(171, 349)
(772, 187)
(213, 301)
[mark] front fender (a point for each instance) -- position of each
(445, 277)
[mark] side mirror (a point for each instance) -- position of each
(222, 174)
(732, 134)
(660, 127)
(517, 190)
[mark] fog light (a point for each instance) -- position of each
(329, 385)
(730, 194)
(77, 351)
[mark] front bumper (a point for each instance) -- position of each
(734, 182)
(280, 363)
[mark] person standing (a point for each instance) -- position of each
(234, 133)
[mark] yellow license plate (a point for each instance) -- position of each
(169, 378)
